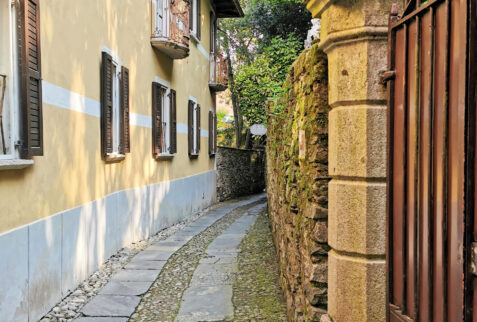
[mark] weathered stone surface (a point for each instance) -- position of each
(207, 303)
(239, 172)
(143, 264)
(355, 290)
(298, 186)
(153, 255)
(358, 141)
(111, 306)
(357, 220)
(125, 288)
(133, 275)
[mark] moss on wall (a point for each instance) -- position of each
(297, 177)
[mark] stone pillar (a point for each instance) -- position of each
(354, 36)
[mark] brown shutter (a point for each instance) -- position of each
(173, 121)
(198, 128)
(198, 20)
(125, 145)
(215, 133)
(191, 15)
(211, 137)
(212, 33)
(157, 97)
(30, 86)
(107, 71)
(190, 126)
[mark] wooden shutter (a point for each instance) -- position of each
(198, 128)
(157, 98)
(125, 141)
(212, 32)
(211, 137)
(215, 133)
(30, 85)
(198, 20)
(191, 15)
(173, 121)
(190, 127)
(107, 71)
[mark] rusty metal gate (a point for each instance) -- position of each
(431, 99)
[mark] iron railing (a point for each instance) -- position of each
(219, 72)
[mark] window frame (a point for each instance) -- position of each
(166, 110)
(194, 129)
(195, 21)
(11, 102)
(120, 119)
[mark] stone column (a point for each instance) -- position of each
(354, 36)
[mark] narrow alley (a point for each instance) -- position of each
(219, 266)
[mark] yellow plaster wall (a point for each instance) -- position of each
(71, 172)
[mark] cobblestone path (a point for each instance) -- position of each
(220, 267)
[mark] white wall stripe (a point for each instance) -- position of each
(140, 120)
(203, 51)
(60, 97)
(63, 98)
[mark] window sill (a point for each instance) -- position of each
(15, 164)
(194, 156)
(114, 157)
(160, 157)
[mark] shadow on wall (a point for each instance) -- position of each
(239, 172)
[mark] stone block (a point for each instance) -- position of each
(319, 272)
(125, 288)
(130, 275)
(358, 142)
(153, 255)
(111, 306)
(207, 303)
(354, 72)
(357, 289)
(357, 220)
(145, 265)
(320, 232)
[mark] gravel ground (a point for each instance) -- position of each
(69, 308)
(162, 301)
(256, 293)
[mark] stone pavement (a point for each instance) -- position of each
(187, 277)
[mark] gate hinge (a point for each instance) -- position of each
(387, 76)
(473, 261)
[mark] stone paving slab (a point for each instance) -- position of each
(136, 264)
(101, 319)
(212, 303)
(153, 255)
(111, 306)
(125, 288)
(136, 275)
(215, 274)
(209, 296)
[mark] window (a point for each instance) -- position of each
(212, 133)
(164, 127)
(194, 18)
(194, 128)
(21, 128)
(115, 138)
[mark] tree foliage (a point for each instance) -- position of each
(261, 47)
(264, 77)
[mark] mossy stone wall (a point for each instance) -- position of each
(297, 185)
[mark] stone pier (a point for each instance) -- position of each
(354, 36)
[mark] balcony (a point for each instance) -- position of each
(219, 77)
(170, 27)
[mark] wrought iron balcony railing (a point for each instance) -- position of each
(170, 27)
(219, 72)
